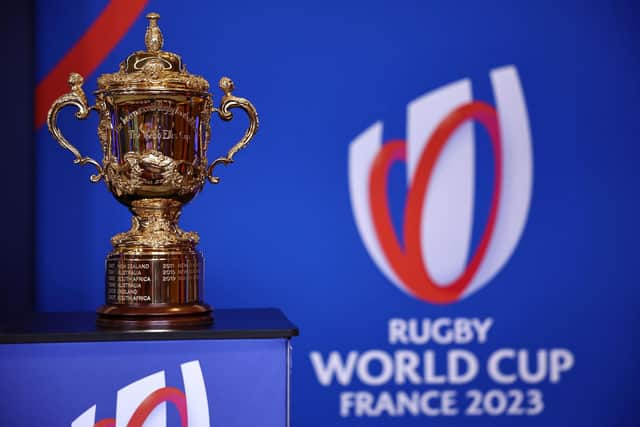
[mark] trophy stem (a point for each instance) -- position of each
(154, 275)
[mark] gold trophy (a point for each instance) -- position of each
(154, 132)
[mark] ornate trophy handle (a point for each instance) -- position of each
(228, 102)
(79, 99)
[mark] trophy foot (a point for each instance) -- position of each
(154, 274)
(154, 316)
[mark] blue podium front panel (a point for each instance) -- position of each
(195, 383)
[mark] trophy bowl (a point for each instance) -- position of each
(154, 130)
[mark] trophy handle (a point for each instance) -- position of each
(228, 102)
(78, 98)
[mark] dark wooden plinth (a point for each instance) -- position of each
(81, 327)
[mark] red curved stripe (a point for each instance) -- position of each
(88, 53)
(423, 285)
(390, 153)
(408, 264)
(166, 394)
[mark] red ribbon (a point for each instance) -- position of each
(88, 52)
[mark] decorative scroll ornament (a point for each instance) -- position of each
(78, 99)
(155, 225)
(153, 169)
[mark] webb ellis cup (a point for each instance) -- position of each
(154, 133)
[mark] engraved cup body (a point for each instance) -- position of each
(155, 144)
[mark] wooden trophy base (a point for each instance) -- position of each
(154, 316)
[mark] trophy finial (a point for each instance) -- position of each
(153, 37)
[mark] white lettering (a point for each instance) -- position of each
(407, 367)
(398, 331)
(334, 367)
(454, 357)
(493, 366)
(482, 328)
(525, 370)
(363, 367)
(561, 360)
(430, 375)
(437, 334)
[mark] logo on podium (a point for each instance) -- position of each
(143, 403)
(433, 259)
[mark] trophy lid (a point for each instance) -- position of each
(153, 69)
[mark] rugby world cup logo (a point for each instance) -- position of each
(143, 403)
(434, 260)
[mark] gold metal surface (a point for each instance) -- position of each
(154, 130)
(228, 102)
(153, 68)
(78, 99)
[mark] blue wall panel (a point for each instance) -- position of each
(218, 381)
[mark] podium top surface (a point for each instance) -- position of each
(81, 327)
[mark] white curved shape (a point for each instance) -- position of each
(362, 152)
(87, 419)
(196, 394)
(131, 396)
(517, 175)
(447, 213)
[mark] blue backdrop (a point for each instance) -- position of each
(280, 231)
